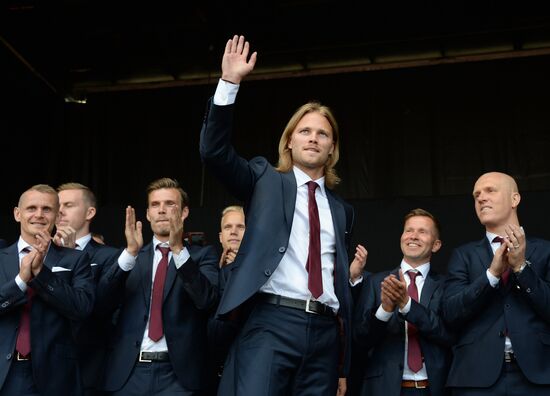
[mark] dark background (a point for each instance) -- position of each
(416, 132)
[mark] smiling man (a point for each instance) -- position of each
(398, 319)
(292, 269)
(45, 290)
(498, 296)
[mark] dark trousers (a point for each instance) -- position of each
(283, 351)
(511, 382)
(155, 378)
(19, 381)
(415, 392)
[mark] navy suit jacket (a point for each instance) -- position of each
(483, 314)
(384, 342)
(189, 293)
(92, 334)
(270, 200)
(62, 298)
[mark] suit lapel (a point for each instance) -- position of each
(289, 196)
(10, 262)
(144, 265)
(171, 275)
(484, 252)
(338, 214)
(52, 256)
(430, 284)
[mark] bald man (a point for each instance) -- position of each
(498, 299)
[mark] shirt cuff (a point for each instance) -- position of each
(226, 93)
(382, 314)
(181, 258)
(406, 308)
(20, 283)
(126, 261)
(493, 280)
(356, 282)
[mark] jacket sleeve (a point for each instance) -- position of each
(200, 278)
(73, 299)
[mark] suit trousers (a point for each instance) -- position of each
(511, 382)
(154, 378)
(19, 381)
(283, 351)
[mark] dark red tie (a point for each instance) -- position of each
(506, 274)
(414, 357)
(155, 323)
(23, 343)
(313, 266)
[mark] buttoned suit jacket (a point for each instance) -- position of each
(189, 293)
(384, 342)
(483, 315)
(65, 295)
(269, 198)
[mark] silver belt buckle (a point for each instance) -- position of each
(21, 358)
(143, 360)
(419, 386)
(307, 307)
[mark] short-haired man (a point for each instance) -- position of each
(44, 290)
(165, 291)
(77, 209)
(498, 298)
(399, 321)
(232, 229)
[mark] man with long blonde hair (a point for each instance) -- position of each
(289, 282)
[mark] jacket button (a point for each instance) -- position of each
(50, 288)
(507, 305)
(5, 304)
(8, 356)
(528, 290)
(267, 272)
(282, 249)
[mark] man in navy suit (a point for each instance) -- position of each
(77, 209)
(398, 321)
(289, 283)
(165, 292)
(44, 290)
(498, 297)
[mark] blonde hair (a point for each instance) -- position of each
(88, 195)
(285, 156)
(44, 189)
(232, 208)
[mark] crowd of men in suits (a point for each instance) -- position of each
(283, 311)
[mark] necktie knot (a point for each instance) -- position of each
(164, 251)
(312, 186)
(498, 239)
(413, 274)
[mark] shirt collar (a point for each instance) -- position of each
(21, 245)
(422, 268)
(490, 236)
(302, 178)
(83, 241)
(156, 243)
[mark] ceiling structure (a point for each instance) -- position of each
(77, 47)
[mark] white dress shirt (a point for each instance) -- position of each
(385, 316)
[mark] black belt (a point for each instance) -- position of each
(509, 357)
(148, 357)
(311, 306)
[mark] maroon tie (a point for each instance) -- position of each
(313, 266)
(23, 343)
(506, 274)
(414, 357)
(155, 323)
